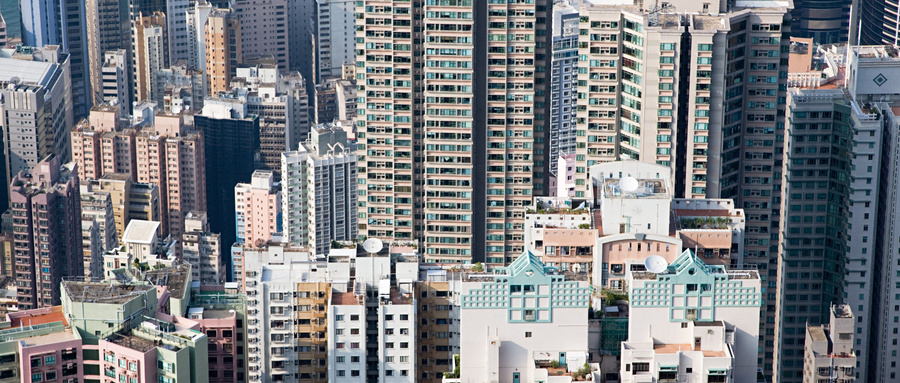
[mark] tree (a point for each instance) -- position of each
(455, 373)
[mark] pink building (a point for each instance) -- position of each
(54, 357)
(167, 155)
(257, 208)
(127, 358)
(220, 327)
(46, 208)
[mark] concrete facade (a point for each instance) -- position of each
(515, 322)
(257, 208)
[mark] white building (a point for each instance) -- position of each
(515, 323)
(96, 205)
(692, 322)
(319, 190)
(114, 79)
(347, 336)
(335, 42)
(828, 349)
(202, 250)
(271, 278)
(91, 248)
(33, 80)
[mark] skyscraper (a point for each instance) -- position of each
(696, 87)
(257, 208)
(336, 23)
(108, 29)
(824, 21)
(234, 133)
(563, 84)
(222, 42)
(264, 29)
(149, 47)
(47, 208)
(467, 139)
(319, 190)
(62, 22)
(35, 107)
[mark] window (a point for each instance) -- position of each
(528, 334)
(528, 315)
(339, 359)
(49, 360)
(640, 367)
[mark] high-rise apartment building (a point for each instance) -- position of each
(35, 108)
(178, 42)
(46, 210)
(286, 310)
(280, 101)
(264, 29)
(257, 208)
(467, 139)
(172, 156)
(149, 49)
(826, 22)
(335, 100)
(828, 351)
(319, 190)
(846, 251)
(62, 23)
(167, 154)
(108, 25)
(563, 84)
(702, 100)
(234, 133)
(115, 80)
(223, 49)
(97, 205)
(336, 47)
(202, 250)
(499, 330)
(693, 322)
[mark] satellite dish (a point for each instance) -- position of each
(628, 184)
(373, 245)
(656, 264)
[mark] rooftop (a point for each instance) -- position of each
(133, 342)
(176, 278)
(344, 299)
(647, 188)
(817, 333)
(113, 293)
(399, 298)
(26, 71)
(56, 337)
(676, 348)
(715, 323)
(139, 231)
(37, 316)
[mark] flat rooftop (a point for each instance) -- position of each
(140, 231)
(647, 188)
(715, 323)
(817, 333)
(27, 71)
(113, 293)
(133, 342)
(57, 337)
(675, 348)
(344, 299)
(37, 316)
(399, 298)
(176, 278)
